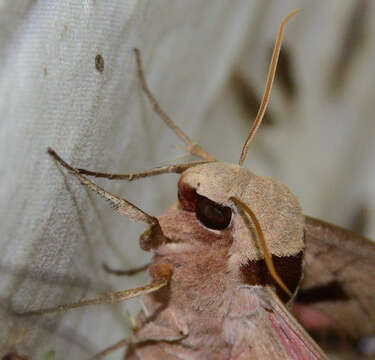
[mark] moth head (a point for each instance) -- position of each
(208, 190)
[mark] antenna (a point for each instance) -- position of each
(267, 92)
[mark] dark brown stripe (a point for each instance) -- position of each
(289, 268)
(327, 292)
(13, 356)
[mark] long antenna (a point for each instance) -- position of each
(267, 92)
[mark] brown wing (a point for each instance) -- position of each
(296, 341)
(258, 326)
(338, 289)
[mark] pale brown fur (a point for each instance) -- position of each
(275, 206)
(195, 317)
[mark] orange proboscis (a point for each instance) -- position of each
(266, 253)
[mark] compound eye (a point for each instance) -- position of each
(211, 214)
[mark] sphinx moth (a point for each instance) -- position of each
(236, 263)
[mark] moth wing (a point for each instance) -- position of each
(339, 281)
(260, 327)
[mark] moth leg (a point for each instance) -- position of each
(193, 148)
(135, 340)
(112, 348)
(175, 169)
(152, 238)
(128, 272)
(163, 272)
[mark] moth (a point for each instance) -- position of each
(238, 271)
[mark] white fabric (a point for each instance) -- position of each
(55, 235)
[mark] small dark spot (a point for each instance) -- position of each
(99, 63)
(45, 71)
(269, 310)
(327, 292)
(248, 99)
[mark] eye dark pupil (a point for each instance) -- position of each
(211, 214)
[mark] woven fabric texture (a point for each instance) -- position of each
(55, 235)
